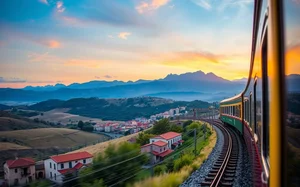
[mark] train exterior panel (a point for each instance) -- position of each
(235, 122)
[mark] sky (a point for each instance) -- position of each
(48, 41)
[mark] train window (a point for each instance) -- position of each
(250, 111)
(254, 108)
(265, 98)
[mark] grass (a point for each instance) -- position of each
(11, 146)
(100, 147)
(176, 178)
(51, 137)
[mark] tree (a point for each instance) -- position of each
(161, 126)
(187, 123)
(88, 128)
(80, 124)
(127, 133)
(159, 170)
(170, 165)
(194, 125)
(176, 128)
(143, 138)
(127, 153)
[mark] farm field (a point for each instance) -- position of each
(51, 137)
(61, 116)
(11, 146)
(100, 147)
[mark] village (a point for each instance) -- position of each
(22, 171)
(138, 124)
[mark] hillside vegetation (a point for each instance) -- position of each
(51, 137)
(10, 122)
(117, 109)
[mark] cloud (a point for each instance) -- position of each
(150, 5)
(11, 80)
(53, 44)
(84, 63)
(110, 36)
(203, 3)
(44, 58)
(197, 55)
(44, 2)
(108, 76)
(59, 6)
(124, 35)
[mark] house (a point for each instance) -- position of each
(173, 139)
(39, 170)
(20, 171)
(57, 166)
(159, 149)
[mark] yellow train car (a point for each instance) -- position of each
(264, 119)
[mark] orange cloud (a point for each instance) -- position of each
(84, 63)
(43, 57)
(124, 35)
(53, 44)
(150, 5)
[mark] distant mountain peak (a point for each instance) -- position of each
(195, 76)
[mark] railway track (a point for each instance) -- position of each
(223, 170)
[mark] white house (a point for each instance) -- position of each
(20, 171)
(172, 138)
(159, 150)
(57, 166)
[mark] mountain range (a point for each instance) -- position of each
(187, 86)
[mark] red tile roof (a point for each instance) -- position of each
(69, 170)
(160, 143)
(20, 162)
(71, 157)
(146, 145)
(167, 152)
(168, 135)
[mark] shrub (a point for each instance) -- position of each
(194, 167)
(159, 170)
(186, 159)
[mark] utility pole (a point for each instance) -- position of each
(195, 140)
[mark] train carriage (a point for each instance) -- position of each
(259, 111)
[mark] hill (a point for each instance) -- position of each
(10, 122)
(117, 109)
(188, 82)
(4, 107)
(43, 142)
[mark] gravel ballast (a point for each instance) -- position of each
(199, 175)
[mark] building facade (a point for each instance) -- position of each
(159, 150)
(20, 171)
(56, 167)
(173, 139)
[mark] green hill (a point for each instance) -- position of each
(117, 109)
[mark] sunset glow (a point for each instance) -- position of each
(48, 41)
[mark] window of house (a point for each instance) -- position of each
(70, 164)
(54, 176)
(16, 170)
(62, 166)
(54, 166)
(84, 161)
(50, 165)
(51, 175)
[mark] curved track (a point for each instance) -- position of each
(223, 171)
